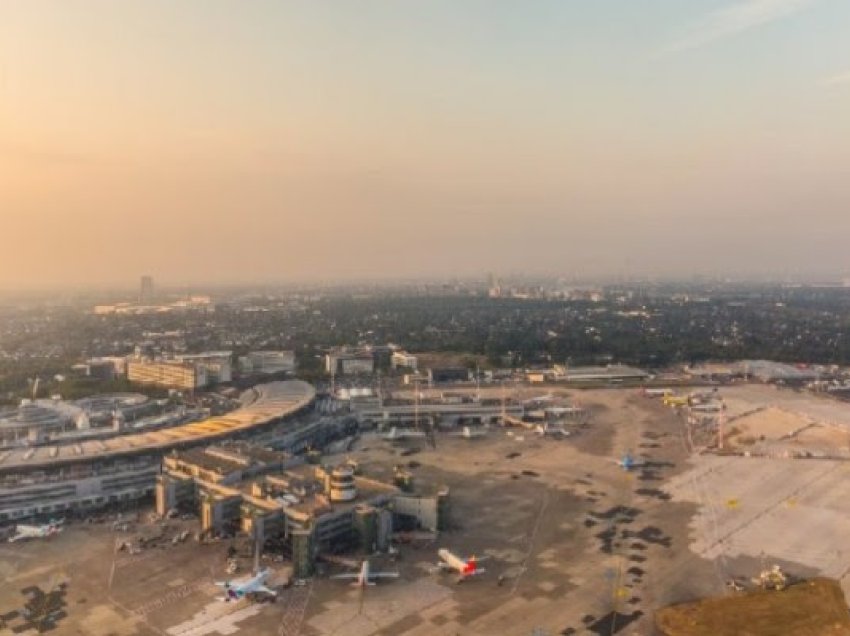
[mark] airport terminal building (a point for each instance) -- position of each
(57, 479)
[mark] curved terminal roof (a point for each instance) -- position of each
(260, 406)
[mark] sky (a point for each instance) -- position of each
(261, 141)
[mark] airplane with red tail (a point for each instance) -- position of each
(465, 568)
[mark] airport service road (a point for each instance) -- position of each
(795, 512)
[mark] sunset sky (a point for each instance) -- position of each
(265, 141)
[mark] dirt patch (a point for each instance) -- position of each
(811, 608)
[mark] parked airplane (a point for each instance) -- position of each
(365, 575)
(236, 590)
(538, 400)
(708, 407)
(465, 568)
(551, 430)
(399, 434)
(36, 532)
(653, 393)
(627, 462)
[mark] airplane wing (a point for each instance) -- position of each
(383, 575)
(222, 583)
(349, 575)
(266, 590)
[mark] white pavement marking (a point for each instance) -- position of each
(174, 595)
(216, 617)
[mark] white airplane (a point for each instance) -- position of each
(236, 590)
(36, 532)
(469, 433)
(365, 575)
(399, 434)
(551, 430)
(539, 400)
(466, 568)
(708, 407)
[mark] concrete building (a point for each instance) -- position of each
(770, 371)
(608, 373)
(171, 375)
(146, 291)
(350, 362)
(267, 362)
(55, 420)
(449, 374)
(55, 479)
(441, 414)
(404, 360)
(270, 495)
(217, 365)
(38, 421)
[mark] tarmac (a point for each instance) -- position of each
(571, 542)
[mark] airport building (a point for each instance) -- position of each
(69, 478)
(274, 496)
(42, 421)
(769, 371)
(35, 422)
(608, 373)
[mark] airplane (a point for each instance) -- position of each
(236, 590)
(465, 568)
(627, 462)
(708, 407)
(539, 400)
(546, 428)
(396, 434)
(365, 575)
(36, 532)
(469, 433)
(662, 393)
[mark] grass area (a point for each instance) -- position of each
(811, 608)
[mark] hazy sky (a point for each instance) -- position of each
(241, 141)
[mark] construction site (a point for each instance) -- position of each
(642, 515)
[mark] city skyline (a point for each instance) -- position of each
(318, 141)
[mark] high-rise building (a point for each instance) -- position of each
(146, 290)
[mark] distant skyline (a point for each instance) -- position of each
(300, 141)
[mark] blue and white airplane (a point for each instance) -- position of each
(237, 590)
(627, 462)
